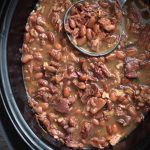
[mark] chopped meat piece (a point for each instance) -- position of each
(99, 142)
(105, 70)
(62, 106)
(95, 104)
(101, 70)
(72, 143)
(85, 129)
(131, 67)
(114, 139)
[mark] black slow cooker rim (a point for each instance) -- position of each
(6, 93)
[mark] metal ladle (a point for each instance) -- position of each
(121, 3)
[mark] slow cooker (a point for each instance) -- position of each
(20, 127)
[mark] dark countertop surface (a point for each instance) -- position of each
(3, 144)
(9, 138)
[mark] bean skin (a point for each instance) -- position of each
(82, 30)
(81, 85)
(114, 128)
(38, 75)
(37, 68)
(89, 34)
(44, 106)
(39, 29)
(57, 46)
(38, 110)
(110, 28)
(95, 122)
(51, 37)
(81, 41)
(109, 129)
(96, 28)
(132, 111)
(33, 19)
(102, 123)
(26, 58)
(43, 82)
(72, 23)
(83, 77)
(50, 69)
(120, 55)
(66, 92)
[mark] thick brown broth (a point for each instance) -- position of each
(85, 101)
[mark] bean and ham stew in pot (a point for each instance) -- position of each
(87, 101)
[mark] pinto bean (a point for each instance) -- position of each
(38, 110)
(33, 19)
(114, 128)
(66, 92)
(96, 28)
(83, 77)
(120, 55)
(132, 111)
(50, 69)
(72, 23)
(81, 85)
(81, 41)
(39, 29)
(95, 122)
(110, 28)
(51, 37)
(109, 129)
(41, 20)
(43, 82)
(38, 75)
(44, 106)
(57, 46)
(26, 58)
(37, 68)
(89, 34)
(82, 30)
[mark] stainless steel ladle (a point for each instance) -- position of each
(106, 52)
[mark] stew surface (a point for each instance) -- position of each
(87, 101)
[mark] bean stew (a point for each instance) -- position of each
(87, 101)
